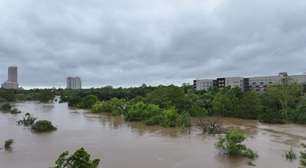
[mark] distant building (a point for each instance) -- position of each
(74, 83)
(251, 83)
(12, 82)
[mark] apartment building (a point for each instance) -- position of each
(74, 83)
(259, 83)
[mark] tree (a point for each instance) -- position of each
(88, 101)
(232, 145)
(250, 105)
(80, 159)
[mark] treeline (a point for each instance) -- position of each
(278, 104)
(42, 95)
(155, 105)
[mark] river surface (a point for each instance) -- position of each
(122, 144)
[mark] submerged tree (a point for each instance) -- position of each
(290, 155)
(231, 144)
(27, 120)
(8, 144)
(43, 126)
(80, 159)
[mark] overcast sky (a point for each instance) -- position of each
(130, 42)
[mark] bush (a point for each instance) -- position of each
(15, 111)
(170, 117)
(290, 155)
(8, 144)
(88, 101)
(115, 106)
(232, 145)
(303, 157)
(6, 107)
(80, 159)
(184, 120)
(43, 126)
(27, 120)
(141, 111)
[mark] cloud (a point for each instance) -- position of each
(130, 42)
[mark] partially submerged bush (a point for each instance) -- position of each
(43, 126)
(6, 107)
(8, 144)
(231, 144)
(80, 159)
(210, 126)
(303, 157)
(290, 155)
(27, 120)
(15, 111)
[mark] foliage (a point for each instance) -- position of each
(142, 112)
(115, 106)
(303, 157)
(169, 118)
(27, 120)
(6, 107)
(15, 111)
(8, 144)
(43, 126)
(79, 159)
(232, 145)
(210, 126)
(88, 101)
(290, 155)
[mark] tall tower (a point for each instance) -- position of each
(12, 74)
(12, 79)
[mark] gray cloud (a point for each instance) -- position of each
(129, 42)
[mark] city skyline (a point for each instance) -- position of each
(127, 43)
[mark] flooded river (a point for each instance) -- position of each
(121, 144)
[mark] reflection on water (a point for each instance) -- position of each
(134, 145)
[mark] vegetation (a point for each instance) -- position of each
(290, 155)
(27, 120)
(6, 107)
(231, 144)
(8, 144)
(303, 157)
(43, 126)
(79, 159)
(278, 104)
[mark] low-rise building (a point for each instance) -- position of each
(259, 83)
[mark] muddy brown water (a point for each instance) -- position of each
(133, 145)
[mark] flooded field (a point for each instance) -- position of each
(122, 144)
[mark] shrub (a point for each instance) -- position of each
(170, 117)
(141, 111)
(43, 126)
(15, 111)
(27, 120)
(232, 145)
(8, 144)
(6, 107)
(303, 157)
(88, 101)
(290, 155)
(184, 120)
(80, 159)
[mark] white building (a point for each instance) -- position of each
(74, 83)
(203, 84)
(252, 83)
(12, 81)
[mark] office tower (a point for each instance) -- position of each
(12, 81)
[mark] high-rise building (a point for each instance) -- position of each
(12, 81)
(74, 83)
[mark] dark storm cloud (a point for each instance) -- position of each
(129, 42)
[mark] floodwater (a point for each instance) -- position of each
(122, 144)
